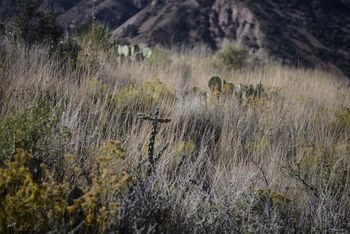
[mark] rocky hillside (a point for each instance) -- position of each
(112, 12)
(314, 32)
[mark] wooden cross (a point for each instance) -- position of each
(155, 121)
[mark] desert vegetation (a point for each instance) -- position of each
(235, 145)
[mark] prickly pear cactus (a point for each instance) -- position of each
(133, 52)
(146, 52)
(229, 88)
(243, 92)
(258, 90)
(123, 50)
(250, 90)
(215, 84)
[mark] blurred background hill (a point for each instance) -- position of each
(309, 33)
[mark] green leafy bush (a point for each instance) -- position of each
(234, 57)
(32, 202)
(95, 37)
(268, 199)
(68, 50)
(37, 131)
(36, 24)
(27, 205)
(150, 92)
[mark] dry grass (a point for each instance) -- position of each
(248, 159)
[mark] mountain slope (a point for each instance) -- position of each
(110, 11)
(296, 32)
(309, 33)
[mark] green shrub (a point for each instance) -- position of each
(109, 181)
(95, 44)
(36, 131)
(26, 205)
(68, 50)
(32, 203)
(148, 93)
(95, 36)
(234, 57)
(265, 198)
(271, 208)
(36, 24)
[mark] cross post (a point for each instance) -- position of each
(155, 121)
